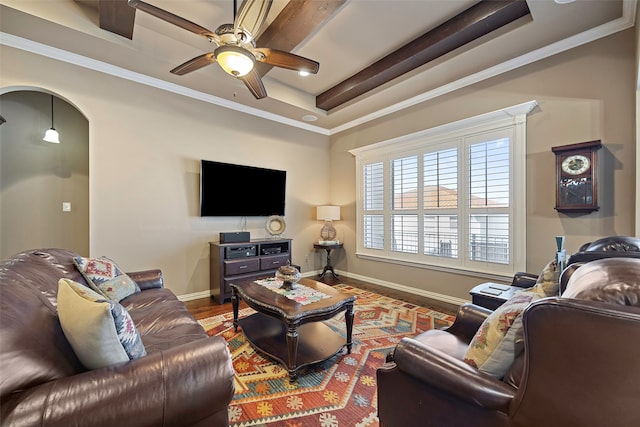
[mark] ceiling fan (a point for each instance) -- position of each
(235, 51)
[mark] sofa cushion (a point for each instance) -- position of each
(499, 339)
(162, 320)
(100, 331)
(105, 277)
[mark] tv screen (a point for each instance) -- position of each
(237, 190)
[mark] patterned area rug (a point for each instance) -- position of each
(338, 392)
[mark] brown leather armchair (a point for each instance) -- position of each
(580, 365)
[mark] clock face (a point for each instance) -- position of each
(576, 164)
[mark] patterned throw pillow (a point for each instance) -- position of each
(499, 339)
(548, 283)
(101, 332)
(105, 277)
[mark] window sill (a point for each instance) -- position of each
(502, 276)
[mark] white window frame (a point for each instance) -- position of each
(510, 120)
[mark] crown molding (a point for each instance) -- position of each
(113, 70)
(627, 20)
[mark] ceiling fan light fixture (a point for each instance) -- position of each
(234, 60)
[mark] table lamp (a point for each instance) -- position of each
(328, 214)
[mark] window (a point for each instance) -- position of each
(450, 197)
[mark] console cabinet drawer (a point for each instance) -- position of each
(229, 280)
(273, 262)
(228, 262)
(241, 266)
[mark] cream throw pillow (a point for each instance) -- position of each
(499, 339)
(100, 332)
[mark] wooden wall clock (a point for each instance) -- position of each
(577, 177)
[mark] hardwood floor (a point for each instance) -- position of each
(207, 307)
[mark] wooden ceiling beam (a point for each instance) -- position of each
(477, 21)
(297, 21)
(117, 16)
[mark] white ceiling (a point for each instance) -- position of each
(359, 33)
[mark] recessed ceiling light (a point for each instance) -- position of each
(564, 1)
(303, 73)
(309, 118)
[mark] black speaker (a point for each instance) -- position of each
(234, 237)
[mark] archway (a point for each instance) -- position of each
(40, 180)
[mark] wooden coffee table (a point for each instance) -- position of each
(288, 331)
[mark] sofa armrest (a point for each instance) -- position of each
(468, 321)
(147, 279)
(178, 386)
(452, 376)
(524, 280)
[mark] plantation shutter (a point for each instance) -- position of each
(373, 204)
(440, 189)
(404, 204)
(489, 202)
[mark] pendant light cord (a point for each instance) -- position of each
(52, 111)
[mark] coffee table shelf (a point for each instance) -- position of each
(316, 341)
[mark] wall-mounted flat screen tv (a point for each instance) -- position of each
(236, 190)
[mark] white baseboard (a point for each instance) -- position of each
(395, 286)
(195, 295)
(408, 289)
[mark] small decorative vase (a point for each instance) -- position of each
(289, 276)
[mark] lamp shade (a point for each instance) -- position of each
(51, 135)
(328, 213)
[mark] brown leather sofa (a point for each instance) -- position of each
(185, 379)
(580, 366)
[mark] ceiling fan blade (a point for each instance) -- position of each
(117, 17)
(173, 19)
(286, 60)
(250, 18)
(195, 64)
(254, 84)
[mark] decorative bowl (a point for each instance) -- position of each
(289, 276)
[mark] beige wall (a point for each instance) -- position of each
(36, 176)
(144, 150)
(584, 94)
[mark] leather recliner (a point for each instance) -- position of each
(580, 365)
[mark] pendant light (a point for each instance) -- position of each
(51, 135)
